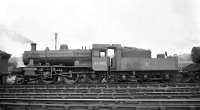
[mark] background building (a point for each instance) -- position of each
(4, 57)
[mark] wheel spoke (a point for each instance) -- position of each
(49, 80)
(71, 78)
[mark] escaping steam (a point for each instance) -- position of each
(12, 42)
(13, 35)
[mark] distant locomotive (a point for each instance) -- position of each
(126, 64)
(193, 69)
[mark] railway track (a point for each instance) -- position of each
(102, 96)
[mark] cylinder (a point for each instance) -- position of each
(33, 46)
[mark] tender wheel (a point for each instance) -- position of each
(93, 78)
(187, 77)
(70, 78)
(197, 78)
(178, 77)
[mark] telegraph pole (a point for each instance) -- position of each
(56, 34)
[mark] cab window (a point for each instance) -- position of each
(96, 53)
(102, 54)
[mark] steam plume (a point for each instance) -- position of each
(14, 36)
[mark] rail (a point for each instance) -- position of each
(101, 96)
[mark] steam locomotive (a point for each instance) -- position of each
(104, 63)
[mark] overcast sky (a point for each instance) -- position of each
(159, 25)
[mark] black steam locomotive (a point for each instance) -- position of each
(104, 63)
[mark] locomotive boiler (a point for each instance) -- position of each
(125, 65)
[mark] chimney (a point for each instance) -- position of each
(33, 46)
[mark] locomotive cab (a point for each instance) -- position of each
(99, 59)
(104, 56)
